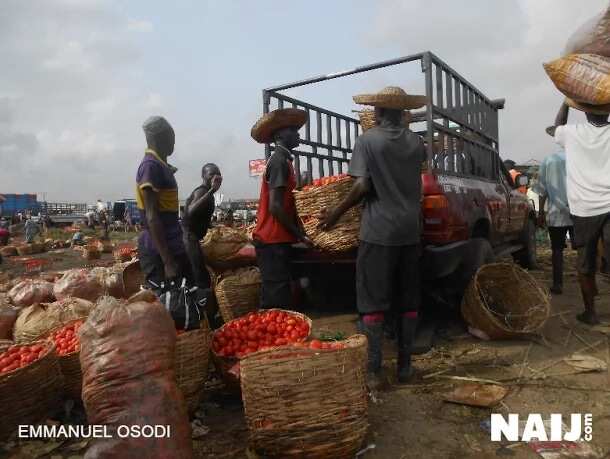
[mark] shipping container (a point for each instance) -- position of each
(15, 203)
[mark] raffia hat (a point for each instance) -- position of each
(391, 97)
(264, 128)
(369, 120)
(595, 109)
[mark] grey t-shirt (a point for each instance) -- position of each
(392, 159)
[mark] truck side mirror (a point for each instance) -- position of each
(523, 180)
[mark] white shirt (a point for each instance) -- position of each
(101, 207)
(552, 183)
(587, 150)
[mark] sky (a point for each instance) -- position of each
(80, 76)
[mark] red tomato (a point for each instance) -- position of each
(289, 328)
(294, 335)
(315, 344)
(271, 328)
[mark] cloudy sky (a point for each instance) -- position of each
(79, 77)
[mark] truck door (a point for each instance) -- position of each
(502, 207)
(518, 212)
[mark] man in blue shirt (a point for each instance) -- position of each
(552, 191)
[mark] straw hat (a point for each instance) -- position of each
(391, 97)
(269, 123)
(595, 109)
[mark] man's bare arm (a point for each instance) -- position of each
(360, 188)
(157, 232)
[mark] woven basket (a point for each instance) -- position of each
(192, 363)
(25, 249)
(9, 251)
(311, 202)
(342, 237)
(368, 119)
(222, 243)
(69, 366)
(238, 292)
(306, 403)
(505, 301)
(29, 395)
(224, 365)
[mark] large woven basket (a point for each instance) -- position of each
(369, 120)
(342, 237)
(222, 243)
(505, 301)
(311, 202)
(304, 403)
(30, 394)
(237, 292)
(69, 366)
(192, 364)
(226, 366)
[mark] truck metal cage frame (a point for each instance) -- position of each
(459, 124)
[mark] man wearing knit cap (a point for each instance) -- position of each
(277, 226)
(386, 163)
(160, 247)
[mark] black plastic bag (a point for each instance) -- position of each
(185, 304)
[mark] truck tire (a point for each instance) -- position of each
(526, 257)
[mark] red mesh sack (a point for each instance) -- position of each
(78, 283)
(127, 360)
(31, 291)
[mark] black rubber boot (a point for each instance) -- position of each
(557, 260)
(374, 335)
(406, 335)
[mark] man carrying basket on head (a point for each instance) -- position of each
(277, 225)
(387, 163)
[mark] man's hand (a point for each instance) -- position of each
(541, 219)
(216, 182)
(171, 269)
(328, 219)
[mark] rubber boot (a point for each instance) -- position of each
(374, 335)
(588, 290)
(557, 259)
(406, 335)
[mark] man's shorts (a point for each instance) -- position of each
(587, 233)
(274, 263)
(387, 278)
(557, 234)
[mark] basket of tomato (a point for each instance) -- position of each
(322, 195)
(30, 385)
(307, 399)
(192, 363)
(253, 332)
(67, 345)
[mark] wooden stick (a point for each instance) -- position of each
(591, 346)
(565, 344)
(525, 361)
(560, 314)
(466, 378)
(557, 386)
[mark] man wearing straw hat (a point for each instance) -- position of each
(552, 192)
(386, 163)
(587, 147)
(277, 226)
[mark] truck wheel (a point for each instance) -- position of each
(526, 257)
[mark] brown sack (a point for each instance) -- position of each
(582, 77)
(111, 280)
(37, 320)
(31, 291)
(79, 283)
(593, 37)
(127, 359)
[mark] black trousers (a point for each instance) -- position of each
(388, 278)
(274, 263)
(153, 268)
(196, 257)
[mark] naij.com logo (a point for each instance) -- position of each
(580, 427)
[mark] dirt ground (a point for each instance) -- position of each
(413, 421)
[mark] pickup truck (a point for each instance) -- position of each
(471, 209)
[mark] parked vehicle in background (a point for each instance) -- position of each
(471, 210)
(15, 203)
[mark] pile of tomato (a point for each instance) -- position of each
(325, 181)
(317, 344)
(66, 339)
(20, 356)
(259, 331)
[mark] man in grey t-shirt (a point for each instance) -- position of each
(387, 163)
